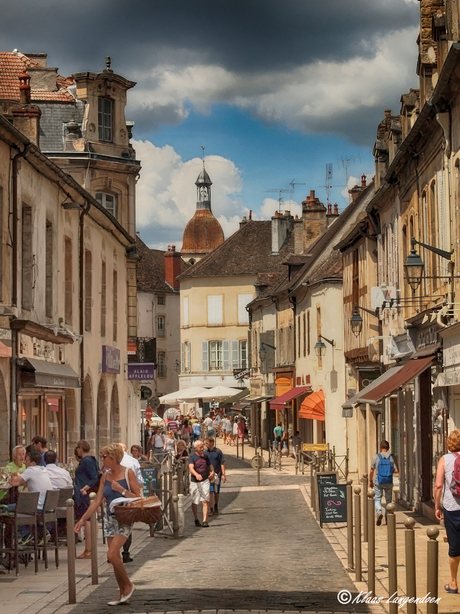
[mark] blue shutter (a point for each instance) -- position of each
(204, 357)
(226, 355)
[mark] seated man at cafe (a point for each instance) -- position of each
(17, 465)
(60, 478)
(37, 479)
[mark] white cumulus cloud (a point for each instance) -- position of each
(166, 192)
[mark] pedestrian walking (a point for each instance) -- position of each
(86, 481)
(383, 466)
(448, 488)
(196, 431)
(217, 461)
(201, 472)
(234, 431)
(131, 463)
(157, 443)
(241, 427)
(186, 431)
(296, 442)
(116, 482)
(170, 443)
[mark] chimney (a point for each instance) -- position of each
(26, 117)
(281, 225)
(315, 222)
(363, 180)
(336, 209)
(250, 214)
(243, 221)
(329, 209)
(173, 262)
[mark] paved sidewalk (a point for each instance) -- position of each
(337, 537)
(263, 552)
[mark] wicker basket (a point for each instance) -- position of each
(147, 510)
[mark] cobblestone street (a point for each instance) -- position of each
(264, 551)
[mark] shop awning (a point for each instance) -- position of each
(259, 399)
(377, 382)
(410, 370)
(280, 402)
(50, 375)
(52, 334)
(313, 407)
(236, 397)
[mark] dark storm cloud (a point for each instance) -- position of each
(240, 35)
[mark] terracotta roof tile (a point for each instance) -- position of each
(247, 252)
(11, 66)
(151, 269)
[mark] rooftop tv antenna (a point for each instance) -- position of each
(328, 186)
(292, 186)
(280, 198)
(344, 162)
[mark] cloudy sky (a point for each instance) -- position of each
(273, 89)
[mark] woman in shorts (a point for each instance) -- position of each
(116, 482)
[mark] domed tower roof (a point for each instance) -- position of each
(203, 233)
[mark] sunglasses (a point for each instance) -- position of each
(104, 456)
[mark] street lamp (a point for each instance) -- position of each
(414, 265)
(177, 366)
(320, 347)
(263, 351)
(356, 320)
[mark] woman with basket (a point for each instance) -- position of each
(116, 482)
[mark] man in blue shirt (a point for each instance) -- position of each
(217, 460)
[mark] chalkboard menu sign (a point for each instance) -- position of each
(332, 503)
(150, 476)
(326, 477)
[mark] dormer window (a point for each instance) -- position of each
(108, 201)
(105, 118)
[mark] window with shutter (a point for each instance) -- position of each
(243, 300)
(226, 355)
(68, 280)
(27, 258)
(235, 357)
(215, 311)
(204, 356)
(103, 298)
(215, 355)
(183, 368)
(243, 354)
(185, 311)
(49, 289)
(379, 260)
(88, 288)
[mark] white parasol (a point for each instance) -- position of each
(180, 395)
(218, 393)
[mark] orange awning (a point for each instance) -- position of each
(313, 407)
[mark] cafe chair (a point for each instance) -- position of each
(48, 516)
(25, 515)
(61, 513)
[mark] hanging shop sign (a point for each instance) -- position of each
(110, 359)
(141, 371)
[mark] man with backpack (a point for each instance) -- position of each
(383, 466)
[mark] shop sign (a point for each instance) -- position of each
(241, 373)
(255, 387)
(450, 378)
(308, 447)
(141, 371)
(426, 337)
(451, 350)
(5, 343)
(132, 347)
(110, 359)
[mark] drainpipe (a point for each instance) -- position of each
(81, 271)
(14, 301)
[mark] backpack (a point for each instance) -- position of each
(385, 470)
(455, 482)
